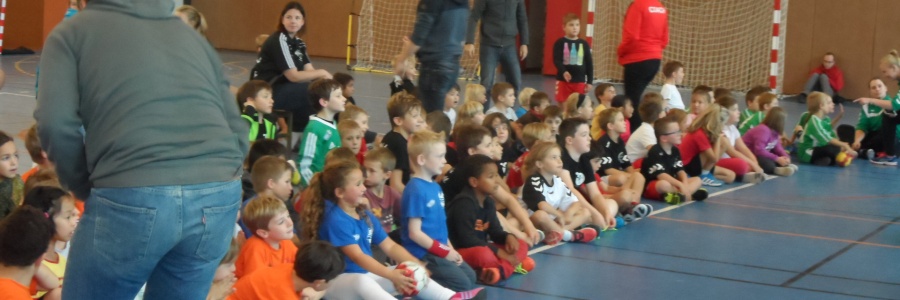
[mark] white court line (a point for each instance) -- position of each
(672, 207)
(14, 94)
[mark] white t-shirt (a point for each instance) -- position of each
(452, 115)
(672, 96)
(732, 134)
(637, 144)
(509, 113)
(555, 193)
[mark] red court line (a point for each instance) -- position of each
(866, 197)
(806, 212)
(777, 232)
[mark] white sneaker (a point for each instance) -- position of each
(784, 171)
(753, 177)
(795, 167)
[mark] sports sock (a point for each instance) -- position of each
(567, 236)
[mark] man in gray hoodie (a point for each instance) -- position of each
(160, 160)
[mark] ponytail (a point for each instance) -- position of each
(313, 209)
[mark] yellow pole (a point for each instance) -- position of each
(349, 37)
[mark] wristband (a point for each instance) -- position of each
(439, 249)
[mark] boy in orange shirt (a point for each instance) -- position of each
(316, 263)
(24, 237)
(268, 219)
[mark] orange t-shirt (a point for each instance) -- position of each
(12, 290)
(258, 254)
(276, 284)
(29, 173)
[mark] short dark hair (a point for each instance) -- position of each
(342, 78)
(754, 92)
(474, 166)
(317, 260)
(321, 89)
(620, 100)
(537, 99)
(650, 107)
(569, 126)
(553, 111)
(660, 125)
(262, 148)
(721, 92)
(4, 138)
(499, 88)
(47, 199)
(24, 237)
(438, 121)
(250, 89)
(469, 136)
(289, 6)
(703, 90)
(671, 67)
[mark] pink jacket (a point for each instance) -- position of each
(764, 142)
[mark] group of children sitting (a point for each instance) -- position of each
(464, 191)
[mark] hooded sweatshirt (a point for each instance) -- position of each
(150, 94)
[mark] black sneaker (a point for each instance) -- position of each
(700, 195)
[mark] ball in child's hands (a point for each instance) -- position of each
(417, 272)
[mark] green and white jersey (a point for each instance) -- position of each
(319, 137)
(870, 118)
(750, 119)
(816, 133)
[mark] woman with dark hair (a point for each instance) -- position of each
(284, 63)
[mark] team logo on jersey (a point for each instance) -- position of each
(605, 160)
(503, 167)
(441, 196)
(579, 178)
(657, 10)
(656, 167)
(679, 164)
(623, 158)
(369, 236)
(536, 182)
(430, 203)
(356, 237)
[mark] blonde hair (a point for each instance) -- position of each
(815, 100)
(534, 132)
(420, 142)
(605, 117)
(384, 156)
(347, 127)
(572, 105)
(525, 97)
(260, 211)
(536, 153)
(198, 22)
(268, 168)
(892, 58)
(711, 121)
(469, 109)
(473, 91)
(339, 154)
(351, 112)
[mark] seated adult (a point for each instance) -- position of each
(826, 78)
(284, 64)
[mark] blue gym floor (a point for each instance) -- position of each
(824, 233)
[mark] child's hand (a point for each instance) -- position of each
(221, 289)
(533, 237)
(311, 294)
(455, 257)
(840, 111)
(512, 244)
(567, 76)
(560, 219)
(856, 145)
(783, 161)
(508, 257)
(469, 49)
(402, 283)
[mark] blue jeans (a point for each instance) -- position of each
(448, 274)
(508, 57)
(171, 237)
(440, 52)
(818, 82)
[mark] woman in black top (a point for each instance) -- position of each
(284, 63)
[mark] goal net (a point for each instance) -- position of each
(722, 43)
(382, 26)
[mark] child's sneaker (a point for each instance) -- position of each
(489, 276)
(869, 153)
(700, 195)
(592, 226)
(710, 180)
(525, 266)
(795, 167)
(553, 238)
(584, 235)
(541, 234)
(619, 223)
(885, 160)
(753, 177)
(784, 171)
(474, 294)
(673, 198)
(636, 212)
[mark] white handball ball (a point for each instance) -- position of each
(417, 272)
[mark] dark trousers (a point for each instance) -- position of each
(637, 76)
(294, 97)
(767, 164)
(825, 155)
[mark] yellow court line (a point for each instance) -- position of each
(778, 232)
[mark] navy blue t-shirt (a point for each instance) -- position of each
(340, 229)
(423, 199)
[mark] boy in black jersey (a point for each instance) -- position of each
(575, 140)
(663, 167)
(615, 167)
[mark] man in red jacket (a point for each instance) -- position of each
(826, 78)
(645, 35)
